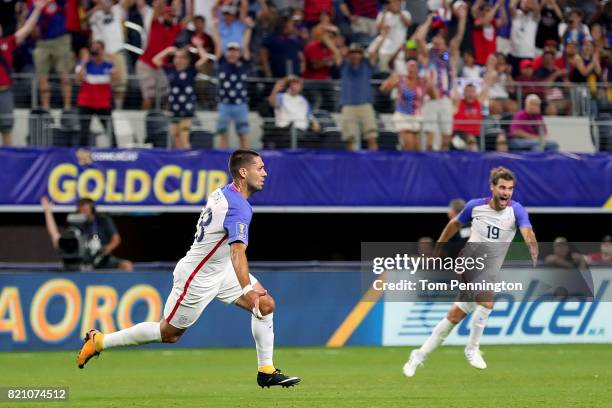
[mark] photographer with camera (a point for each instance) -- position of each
(89, 239)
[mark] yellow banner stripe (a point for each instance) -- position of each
(355, 317)
(608, 204)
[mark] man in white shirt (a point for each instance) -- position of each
(523, 34)
(106, 22)
(394, 21)
(291, 109)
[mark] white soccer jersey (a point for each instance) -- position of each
(490, 225)
(224, 220)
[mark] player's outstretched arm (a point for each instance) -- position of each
(448, 232)
(241, 268)
(531, 242)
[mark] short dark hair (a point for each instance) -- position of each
(86, 201)
(239, 159)
(199, 17)
(501, 173)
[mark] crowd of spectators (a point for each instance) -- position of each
(449, 65)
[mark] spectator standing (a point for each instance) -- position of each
(182, 100)
(53, 52)
(106, 22)
(550, 73)
(291, 109)
(523, 32)
(549, 46)
(526, 80)
(281, 51)
(101, 235)
(409, 51)
(469, 70)
(163, 32)
(319, 58)
(362, 15)
(9, 14)
(585, 66)
(528, 131)
(411, 91)
(356, 95)
(499, 98)
(394, 22)
(8, 44)
(95, 74)
(441, 64)
(231, 26)
(548, 27)
(233, 69)
(574, 29)
(314, 8)
(484, 30)
(469, 114)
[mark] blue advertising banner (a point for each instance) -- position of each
(51, 311)
(144, 178)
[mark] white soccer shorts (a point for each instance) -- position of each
(194, 289)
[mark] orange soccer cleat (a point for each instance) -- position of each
(92, 347)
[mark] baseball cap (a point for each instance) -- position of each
(355, 47)
(526, 64)
(233, 45)
(550, 43)
(228, 9)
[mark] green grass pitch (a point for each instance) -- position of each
(518, 376)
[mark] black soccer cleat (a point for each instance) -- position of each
(276, 378)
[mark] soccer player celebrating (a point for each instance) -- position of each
(215, 267)
(494, 222)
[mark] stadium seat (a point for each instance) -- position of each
(40, 131)
(199, 137)
(157, 128)
(387, 139)
(604, 132)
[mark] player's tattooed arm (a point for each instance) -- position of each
(241, 268)
(531, 242)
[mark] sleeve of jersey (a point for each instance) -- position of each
(236, 224)
(522, 218)
(465, 216)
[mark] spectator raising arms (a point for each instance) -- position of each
(233, 69)
(441, 65)
(356, 94)
(411, 90)
(53, 52)
(106, 22)
(281, 51)
(291, 109)
(548, 27)
(523, 33)
(182, 99)
(468, 116)
(7, 49)
(485, 26)
(95, 74)
(163, 32)
(394, 21)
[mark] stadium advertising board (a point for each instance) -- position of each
(47, 311)
(183, 179)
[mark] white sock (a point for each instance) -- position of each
(263, 333)
(142, 333)
(477, 325)
(438, 335)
